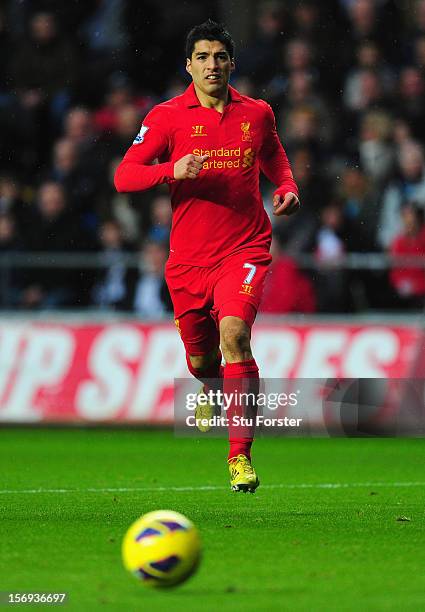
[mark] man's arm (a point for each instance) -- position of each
(275, 165)
(137, 172)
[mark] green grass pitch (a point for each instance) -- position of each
(294, 545)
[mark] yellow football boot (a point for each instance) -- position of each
(204, 413)
(242, 475)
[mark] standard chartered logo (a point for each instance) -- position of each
(223, 158)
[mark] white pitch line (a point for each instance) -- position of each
(318, 485)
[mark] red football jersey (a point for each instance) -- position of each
(221, 211)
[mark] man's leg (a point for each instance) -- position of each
(192, 301)
(237, 294)
(201, 340)
(240, 376)
(200, 336)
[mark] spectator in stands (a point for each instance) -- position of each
(79, 183)
(109, 290)
(245, 85)
(303, 130)
(161, 219)
(258, 58)
(308, 19)
(131, 210)
(65, 158)
(128, 121)
(330, 236)
(85, 180)
(80, 129)
(297, 233)
(147, 291)
(55, 230)
(360, 200)
(176, 87)
(376, 150)
(331, 279)
(56, 227)
(402, 132)
(302, 93)
(306, 24)
(44, 68)
(286, 289)
(410, 103)
(365, 24)
(296, 55)
(314, 186)
(360, 209)
(120, 94)
(362, 14)
(120, 206)
(368, 58)
(368, 95)
(410, 186)
(409, 282)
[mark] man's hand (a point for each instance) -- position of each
(285, 206)
(189, 166)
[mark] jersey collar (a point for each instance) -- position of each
(191, 99)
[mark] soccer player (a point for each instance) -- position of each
(211, 143)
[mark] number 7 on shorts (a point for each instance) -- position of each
(252, 270)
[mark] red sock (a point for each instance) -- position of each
(241, 377)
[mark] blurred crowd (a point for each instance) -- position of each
(346, 79)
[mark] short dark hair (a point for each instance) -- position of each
(209, 30)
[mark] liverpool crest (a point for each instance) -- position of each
(246, 134)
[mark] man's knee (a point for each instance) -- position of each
(203, 362)
(235, 337)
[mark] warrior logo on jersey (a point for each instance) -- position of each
(246, 289)
(246, 134)
(141, 135)
(198, 130)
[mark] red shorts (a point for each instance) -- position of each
(203, 296)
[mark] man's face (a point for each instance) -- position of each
(210, 67)
(410, 219)
(411, 162)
